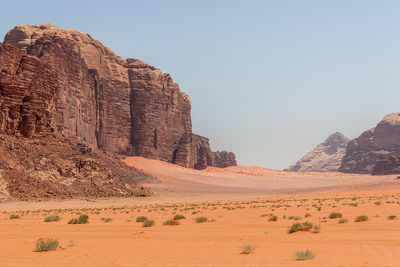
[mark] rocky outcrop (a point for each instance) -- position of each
(224, 159)
(108, 102)
(375, 150)
(326, 157)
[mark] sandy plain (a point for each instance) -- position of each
(243, 205)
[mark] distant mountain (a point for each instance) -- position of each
(325, 157)
(377, 150)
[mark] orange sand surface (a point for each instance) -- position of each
(239, 204)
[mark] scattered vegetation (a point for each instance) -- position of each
(14, 216)
(306, 226)
(392, 217)
(273, 218)
(201, 219)
(305, 255)
(106, 220)
(46, 244)
(171, 222)
(361, 218)
(141, 219)
(248, 249)
(83, 219)
(148, 223)
(52, 218)
(179, 217)
(335, 215)
(343, 221)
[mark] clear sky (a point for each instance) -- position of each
(268, 80)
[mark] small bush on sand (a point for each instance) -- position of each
(179, 217)
(335, 215)
(248, 248)
(273, 218)
(171, 222)
(306, 226)
(392, 217)
(53, 218)
(201, 220)
(83, 219)
(14, 216)
(362, 218)
(148, 223)
(343, 221)
(304, 255)
(141, 219)
(107, 219)
(46, 244)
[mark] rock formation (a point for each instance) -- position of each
(224, 159)
(376, 150)
(326, 157)
(83, 91)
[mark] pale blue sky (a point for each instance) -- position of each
(268, 80)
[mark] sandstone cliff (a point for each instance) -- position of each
(224, 159)
(111, 103)
(325, 157)
(376, 150)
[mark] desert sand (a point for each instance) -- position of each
(239, 203)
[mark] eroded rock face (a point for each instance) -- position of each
(326, 157)
(224, 159)
(380, 144)
(27, 89)
(111, 103)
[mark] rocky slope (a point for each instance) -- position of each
(325, 157)
(376, 150)
(110, 103)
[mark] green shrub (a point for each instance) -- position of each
(106, 219)
(391, 217)
(53, 218)
(141, 219)
(304, 255)
(201, 220)
(306, 226)
(247, 249)
(148, 223)
(46, 244)
(273, 218)
(83, 219)
(335, 215)
(343, 221)
(171, 222)
(14, 216)
(179, 217)
(362, 218)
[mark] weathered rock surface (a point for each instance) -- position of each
(224, 159)
(108, 102)
(325, 157)
(378, 145)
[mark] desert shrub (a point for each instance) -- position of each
(361, 218)
(141, 219)
(378, 203)
(248, 248)
(335, 215)
(106, 219)
(343, 221)
(83, 219)
(46, 244)
(148, 223)
(14, 216)
(171, 222)
(179, 217)
(273, 218)
(305, 255)
(316, 229)
(391, 217)
(306, 226)
(201, 220)
(53, 218)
